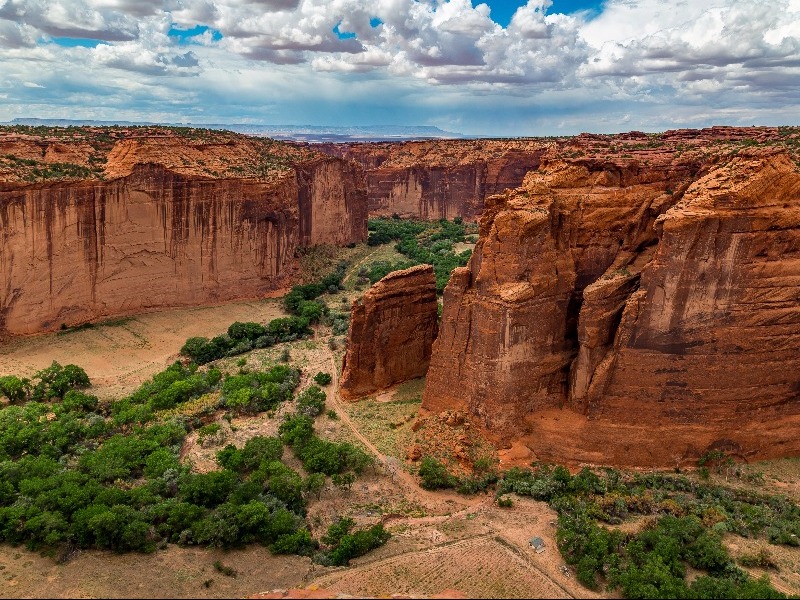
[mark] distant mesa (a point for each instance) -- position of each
(300, 133)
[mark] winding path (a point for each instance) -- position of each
(396, 471)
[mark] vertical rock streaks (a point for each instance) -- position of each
(618, 314)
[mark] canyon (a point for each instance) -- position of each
(97, 226)
(632, 298)
(440, 179)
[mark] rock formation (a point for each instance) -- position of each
(634, 310)
(440, 179)
(392, 328)
(166, 222)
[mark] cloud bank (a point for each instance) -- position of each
(645, 64)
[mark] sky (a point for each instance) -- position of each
(494, 68)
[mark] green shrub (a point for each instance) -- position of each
(435, 475)
(311, 401)
(353, 545)
(14, 388)
(55, 381)
(322, 378)
(260, 449)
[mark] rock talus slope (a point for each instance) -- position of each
(614, 312)
(160, 231)
(392, 328)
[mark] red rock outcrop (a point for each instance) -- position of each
(392, 328)
(440, 179)
(150, 236)
(634, 311)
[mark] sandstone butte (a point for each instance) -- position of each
(392, 328)
(635, 302)
(100, 222)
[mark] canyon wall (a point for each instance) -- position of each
(634, 311)
(392, 328)
(150, 237)
(440, 179)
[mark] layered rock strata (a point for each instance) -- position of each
(149, 236)
(629, 313)
(440, 179)
(392, 328)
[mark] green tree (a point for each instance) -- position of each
(14, 388)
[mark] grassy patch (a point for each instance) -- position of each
(386, 424)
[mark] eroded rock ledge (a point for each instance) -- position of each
(392, 328)
(621, 313)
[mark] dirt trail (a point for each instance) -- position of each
(392, 466)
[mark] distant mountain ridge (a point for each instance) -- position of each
(302, 133)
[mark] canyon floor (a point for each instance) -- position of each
(440, 540)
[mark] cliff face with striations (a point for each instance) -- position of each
(392, 328)
(168, 224)
(440, 179)
(635, 310)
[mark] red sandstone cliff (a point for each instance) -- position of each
(164, 226)
(633, 310)
(392, 328)
(437, 179)
(440, 179)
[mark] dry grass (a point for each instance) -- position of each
(387, 420)
(478, 567)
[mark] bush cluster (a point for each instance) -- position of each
(384, 231)
(175, 385)
(344, 544)
(422, 242)
(302, 299)
(259, 391)
(322, 378)
(311, 402)
(243, 337)
(691, 519)
(318, 455)
(435, 475)
(48, 384)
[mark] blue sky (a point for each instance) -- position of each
(503, 10)
(536, 67)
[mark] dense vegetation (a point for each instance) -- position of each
(243, 337)
(685, 529)
(75, 473)
(683, 526)
(422, 242)
(302, 300)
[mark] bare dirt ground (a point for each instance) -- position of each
(171, 573)
(121, 354)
